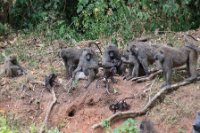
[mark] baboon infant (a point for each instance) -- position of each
(146, 126)
(144, 52)
(135, 68)
(88, 64)
(12, 67)
(170, 57)
(111, 61)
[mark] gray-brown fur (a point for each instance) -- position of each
(12, 67)
(88, 64)
(71, 57)
(111, 61)
(170, 57)
(144, 52)
(135, 68)
(147, 126)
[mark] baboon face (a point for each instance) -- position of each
(13, 59)
(88, 54)
(111, 54)
(159, 56)
(134, 50)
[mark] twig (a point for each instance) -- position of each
(48, 110)
(122, 115)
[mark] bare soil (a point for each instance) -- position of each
(27, 101)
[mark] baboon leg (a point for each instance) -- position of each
(144, 63)
(167, 70)
(129, 74)
(90, 78)
(192, 65)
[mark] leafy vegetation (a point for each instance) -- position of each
(69, 19)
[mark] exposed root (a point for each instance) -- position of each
(128, 114)
(48, 111)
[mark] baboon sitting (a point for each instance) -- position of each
(135, 68)
(12, 67)
(88, 64)
(144, 52)
(111, 61)
(170, 57)
(146, 126)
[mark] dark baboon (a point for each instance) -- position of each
(170, 57)
(196, 124)
(12, 67)
(135, 68)
(49, 81)
(147, 126)
(88, 64)
(71, 57)
(144, 52)
(111, 61)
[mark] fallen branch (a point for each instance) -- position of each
(128, 114)
(48, 110)
(153, 75)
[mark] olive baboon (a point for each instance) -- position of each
(135, 68)
(196, 124)
(111, 61)
(88, 64)
(170, 57)
(146, 126)
(12, 67)
(71, 57)
(144, 52)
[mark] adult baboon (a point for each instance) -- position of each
(111, 61)
(88, 64)
(170, 57)
(12, 67)
(146, 126)
(144, 52)
(135, 68)
(71, 57)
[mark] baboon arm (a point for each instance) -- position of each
(75, 71)
(144, 63)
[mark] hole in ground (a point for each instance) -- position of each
(72, 113)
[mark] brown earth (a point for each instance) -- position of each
(27, 100)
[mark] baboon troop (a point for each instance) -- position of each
(131, 62)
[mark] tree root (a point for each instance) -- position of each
(127, 114)
(48, 110)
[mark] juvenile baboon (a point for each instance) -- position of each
(12, 67)
(71, 57)
(88, 64)
(196, 124)
(144, 52)
(135, 68)
(111, 61)
(170, 57)
(147, 126)
(49, 81)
